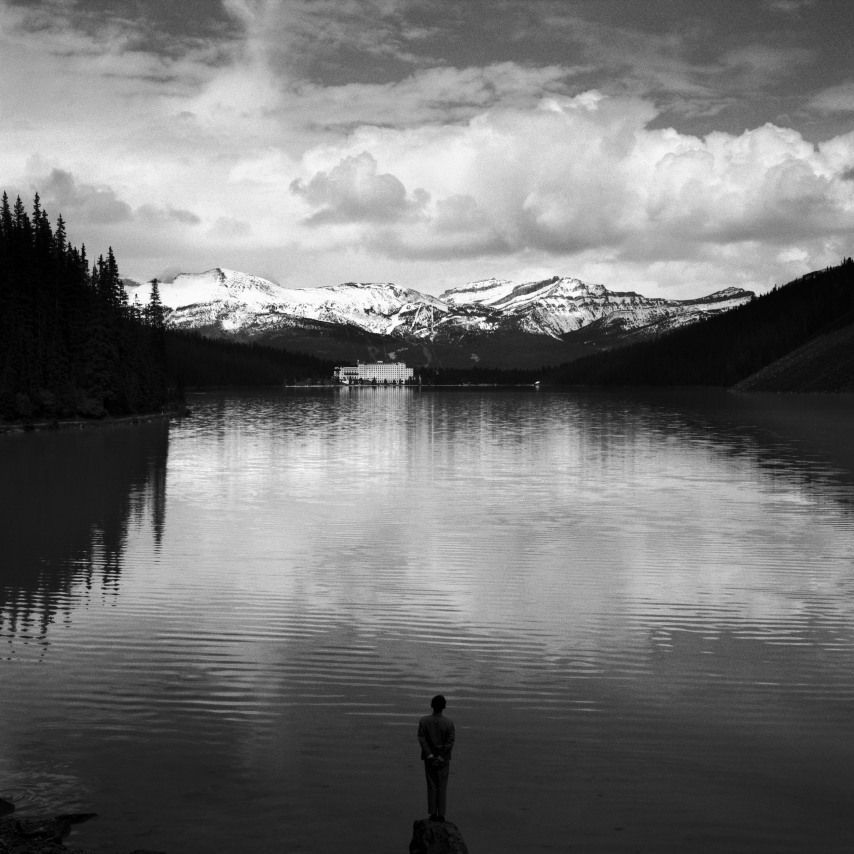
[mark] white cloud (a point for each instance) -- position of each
(227, 153)
(98, 205)
(428, 95)
(86, 203)
(353, 191)
(586, 175)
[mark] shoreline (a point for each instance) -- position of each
(42, 834)
(10, 427)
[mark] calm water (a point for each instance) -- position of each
(219, 633)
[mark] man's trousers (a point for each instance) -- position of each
(437, 786)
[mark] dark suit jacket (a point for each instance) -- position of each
(436, 736)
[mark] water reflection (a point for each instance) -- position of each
(612, 587)
(518, 528)
(67, 502)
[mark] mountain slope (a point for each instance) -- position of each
(726, 349)
(823, 364)
(560, 305)
(495, 322)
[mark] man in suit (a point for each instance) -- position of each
(436, 737)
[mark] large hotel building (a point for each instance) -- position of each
(381, 373)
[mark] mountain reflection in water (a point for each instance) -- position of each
(639, 606)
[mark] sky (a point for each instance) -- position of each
(672, 148)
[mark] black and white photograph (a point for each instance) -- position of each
(426, 426)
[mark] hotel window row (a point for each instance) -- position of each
(380, 372)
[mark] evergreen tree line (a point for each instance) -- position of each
(193, 361)
(727, 348)
(477, 375)
(70, 345)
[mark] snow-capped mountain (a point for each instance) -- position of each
(226, 302)
(236, 301)
(558, 305)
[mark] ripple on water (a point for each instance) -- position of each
(608, 589)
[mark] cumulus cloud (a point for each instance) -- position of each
(460, 214)
(353, 191)
(585, 174)
(87, 203)
(99, 204)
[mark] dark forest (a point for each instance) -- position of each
(193, 361)
(727, 348)
(70, 345)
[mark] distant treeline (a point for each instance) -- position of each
(728, 347)
(193, 361)
(70, 345)
(477, 375)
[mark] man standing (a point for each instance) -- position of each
(436, 737)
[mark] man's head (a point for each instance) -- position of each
(438, 703)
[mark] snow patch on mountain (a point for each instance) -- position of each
(214, 286)
(483, 292)
(240, 303)
(234, 301)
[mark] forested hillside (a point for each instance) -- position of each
(824, 364)
(70, 345)
(193, 361)
(725, 349)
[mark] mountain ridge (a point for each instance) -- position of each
(796, 337)
(495, 320)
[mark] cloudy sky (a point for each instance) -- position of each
(672, 147)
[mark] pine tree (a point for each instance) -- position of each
(21, 221)
(69, 343)
(5, 218)
(154, 311)
(114, 286)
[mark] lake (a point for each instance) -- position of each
(219, 633)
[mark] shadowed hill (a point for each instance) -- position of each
(823, 364)
(728, 348)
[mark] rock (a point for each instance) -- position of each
(436, 837)
(30, 836)
(65, 821)
(37, 835)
